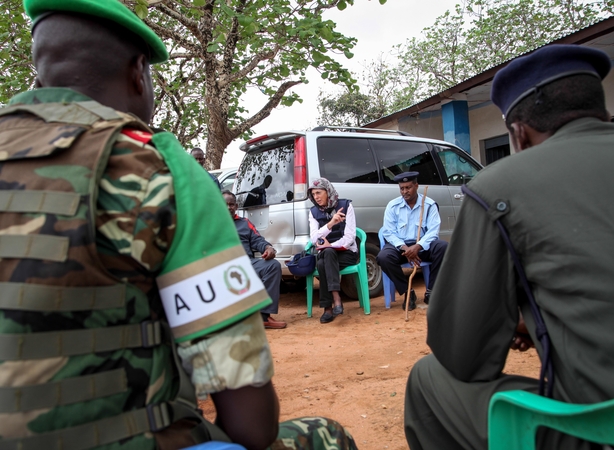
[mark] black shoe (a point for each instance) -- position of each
(412, 300)
(337, 310)
(327, 317)
(427, 297)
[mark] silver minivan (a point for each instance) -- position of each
(272, 181)
(226, 177)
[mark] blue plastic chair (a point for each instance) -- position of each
(515, 416)
(216, 445)
(389, 290)
(359, 271)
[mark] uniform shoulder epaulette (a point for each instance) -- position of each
(137, 135)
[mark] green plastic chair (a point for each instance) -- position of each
(514, 416)
(359, 271)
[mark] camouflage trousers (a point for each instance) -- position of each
(313, 433)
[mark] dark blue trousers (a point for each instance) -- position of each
(269, 272)
(390, 260)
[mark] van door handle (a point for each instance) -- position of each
(459, 196)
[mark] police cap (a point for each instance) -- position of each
(406, 176)
(524, 75)
(111, 10)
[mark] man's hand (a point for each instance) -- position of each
(522, 340)
(269, 253)
(411, 253)
(337, 218)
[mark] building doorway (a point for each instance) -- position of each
(496, 148)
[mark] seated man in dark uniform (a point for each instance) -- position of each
(267, 267)
(401, 220)
(552, 200)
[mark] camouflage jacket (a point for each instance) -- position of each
(134, 225)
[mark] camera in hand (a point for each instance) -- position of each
(320, 241)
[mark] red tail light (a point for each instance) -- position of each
(257, 139)
(300, 168)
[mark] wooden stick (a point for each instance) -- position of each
(411, 277)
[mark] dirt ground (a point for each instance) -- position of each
(354, 369)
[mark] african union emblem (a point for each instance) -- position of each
(236, 280)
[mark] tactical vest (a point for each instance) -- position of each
(337, 231)
(84, 360)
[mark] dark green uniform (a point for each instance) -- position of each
(559, 214)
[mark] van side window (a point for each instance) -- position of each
(458, 165)
(346, 160)
(396, 157)
(266, 177)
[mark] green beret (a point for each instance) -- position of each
(111, 10)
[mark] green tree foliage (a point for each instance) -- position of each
(16, 70)
(480, 34)
(350, 108)
(385, 88)
(219, 49)
(476, 35)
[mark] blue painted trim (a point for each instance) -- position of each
(455, 120)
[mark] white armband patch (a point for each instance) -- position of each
(197, 304)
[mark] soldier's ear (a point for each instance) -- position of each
(140, 90)
(138, 74)
(519, 135)
(525, 136)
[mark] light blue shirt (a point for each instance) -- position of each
(401, 222)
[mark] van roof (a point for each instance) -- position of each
(269, 140)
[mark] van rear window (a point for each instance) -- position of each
(266, 178)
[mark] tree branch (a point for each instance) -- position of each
(265, 111)
(231, 40)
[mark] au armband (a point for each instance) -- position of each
(207, 295)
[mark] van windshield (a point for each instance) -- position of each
(460, 169)
(266, 177)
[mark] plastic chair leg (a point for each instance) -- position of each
(510, 429)
(309, 294)
(363, 291)
(389, 291)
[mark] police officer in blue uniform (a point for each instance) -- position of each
(401, 223)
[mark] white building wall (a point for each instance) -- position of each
(427, 125)
(390, 125)
(485, 122)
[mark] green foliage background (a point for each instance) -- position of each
(475, 36)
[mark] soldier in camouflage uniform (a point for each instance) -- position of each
(108, 286)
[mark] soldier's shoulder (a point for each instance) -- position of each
(137, 135)
(138, 142)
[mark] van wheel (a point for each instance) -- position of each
(374, 275)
